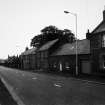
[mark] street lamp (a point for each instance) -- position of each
(74, 14)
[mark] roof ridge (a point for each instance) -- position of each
(98, 26)
(47, 45)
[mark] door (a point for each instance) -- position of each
(86, 67)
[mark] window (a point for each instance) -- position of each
(103, 40)
(54, 65)
(67, 65)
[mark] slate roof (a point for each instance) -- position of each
(100, 27)
(30, 51)
(70, 49)
(47, 45)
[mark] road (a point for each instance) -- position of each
(43, 89)
(5, 97)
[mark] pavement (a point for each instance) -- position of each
(43, 89)
(83, 77)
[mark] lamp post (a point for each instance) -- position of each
(74, 14)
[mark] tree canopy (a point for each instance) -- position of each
(13, 61)
(50, 33)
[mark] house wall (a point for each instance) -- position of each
(38, 60)
(68, 63)
(42, 60)
(95, 41)
(96, 53)
(43, 56)
(28, 62)
(32, 61)
(55, 62)
(25, 62)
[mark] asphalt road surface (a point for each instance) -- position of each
(5, 96)
(44, 89)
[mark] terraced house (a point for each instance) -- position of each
(43, 54)
(64, 58)
(97, 48)
(61, 57)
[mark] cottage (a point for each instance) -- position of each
(64, 58)
(28, 59)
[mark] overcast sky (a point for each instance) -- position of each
(21, 20)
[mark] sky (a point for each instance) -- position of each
(21, 20)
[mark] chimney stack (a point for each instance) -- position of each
(104, 14)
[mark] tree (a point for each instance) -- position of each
(13, 61)
(50, 33)
(37, 41)
(68, 36)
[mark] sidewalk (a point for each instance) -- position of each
(94, 78)
(67, 75)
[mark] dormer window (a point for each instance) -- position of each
(103, 40)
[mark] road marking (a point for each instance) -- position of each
(57, 85)
(34, 78)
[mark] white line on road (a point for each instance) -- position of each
(34, 78)
(57, 85)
